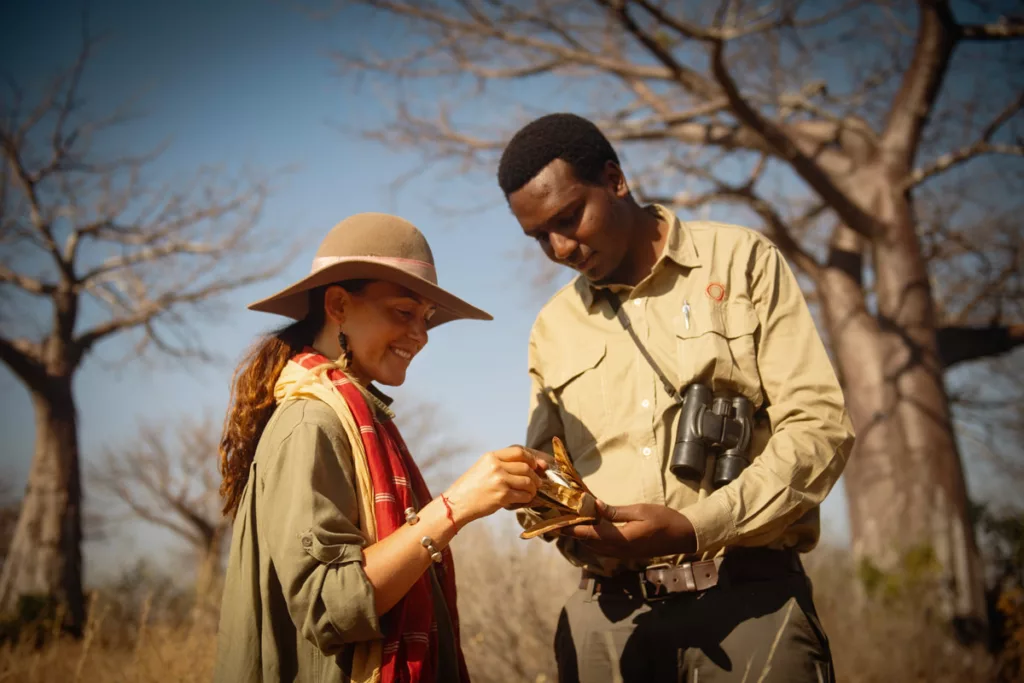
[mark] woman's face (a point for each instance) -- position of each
(386, 326)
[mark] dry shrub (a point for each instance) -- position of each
(510, 594)
(511, 591)
(1010, 605)
(141, 627)
(181, 652)
(893, 637)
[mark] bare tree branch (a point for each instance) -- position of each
(686, 77)
(784, 146)
(1005, 29)
(25, 360)
(921, 82)
(26, 283)
(782, 232)
(958, 157)
(983, 146)
(474, 27)
(773, 17)
(961, 344)
(145, 314)
(142, 251)
(173, 488)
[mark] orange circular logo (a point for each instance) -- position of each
(715, 291)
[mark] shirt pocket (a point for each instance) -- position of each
(577, 382)
(716, 344)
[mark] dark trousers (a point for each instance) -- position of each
(759, 631)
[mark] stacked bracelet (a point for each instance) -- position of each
(411, 518)
(428, 543)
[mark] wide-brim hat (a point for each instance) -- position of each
(372, 246)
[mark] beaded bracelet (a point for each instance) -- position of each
(435, 554)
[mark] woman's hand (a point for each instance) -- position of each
(499, 479)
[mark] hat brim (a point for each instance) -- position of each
(293, 301)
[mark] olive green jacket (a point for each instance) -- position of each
(295, 594)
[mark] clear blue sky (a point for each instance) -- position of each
(238, 83)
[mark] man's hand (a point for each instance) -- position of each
(636, 532)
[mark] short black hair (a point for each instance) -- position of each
(568, 137)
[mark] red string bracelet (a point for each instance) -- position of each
(448, 507)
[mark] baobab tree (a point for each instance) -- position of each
(93, 247)
(842, 130)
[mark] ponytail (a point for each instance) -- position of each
(252, 397)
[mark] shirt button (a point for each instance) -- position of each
(647, 451)
(645, 403)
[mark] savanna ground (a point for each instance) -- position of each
(143, 628)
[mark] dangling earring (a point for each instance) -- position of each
(346, 353)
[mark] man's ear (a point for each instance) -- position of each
(615, 179)
(336, 303)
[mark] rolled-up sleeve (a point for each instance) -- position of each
(811, 432)
(307, 507)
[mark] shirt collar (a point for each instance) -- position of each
(380, 402)
(679, 248)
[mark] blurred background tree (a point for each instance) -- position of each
(91, 248)
(169, 478)
(876, 143)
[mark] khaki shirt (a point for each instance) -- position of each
(295, 594)
(746, 329)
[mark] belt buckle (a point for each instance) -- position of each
(662, 592)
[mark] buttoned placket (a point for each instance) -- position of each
(646, 392)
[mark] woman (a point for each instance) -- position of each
(339, 567)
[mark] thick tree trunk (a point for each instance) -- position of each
(208, 580)
(873, 476)
(934, 478)
(45, 556)
(208, 570)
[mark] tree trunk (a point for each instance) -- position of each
(873, 477)
(940, 519)
(208, 578)
(45, 557)
(208, 570)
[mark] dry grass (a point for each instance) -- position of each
(510, 596)
(161, 653)
(896, 641)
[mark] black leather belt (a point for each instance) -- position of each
(660, 581)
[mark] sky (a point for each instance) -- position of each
(252, 84)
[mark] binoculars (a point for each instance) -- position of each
(720, 426)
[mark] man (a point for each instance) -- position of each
(682, 580)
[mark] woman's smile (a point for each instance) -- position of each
(402, 353)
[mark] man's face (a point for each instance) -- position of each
(577, 224)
